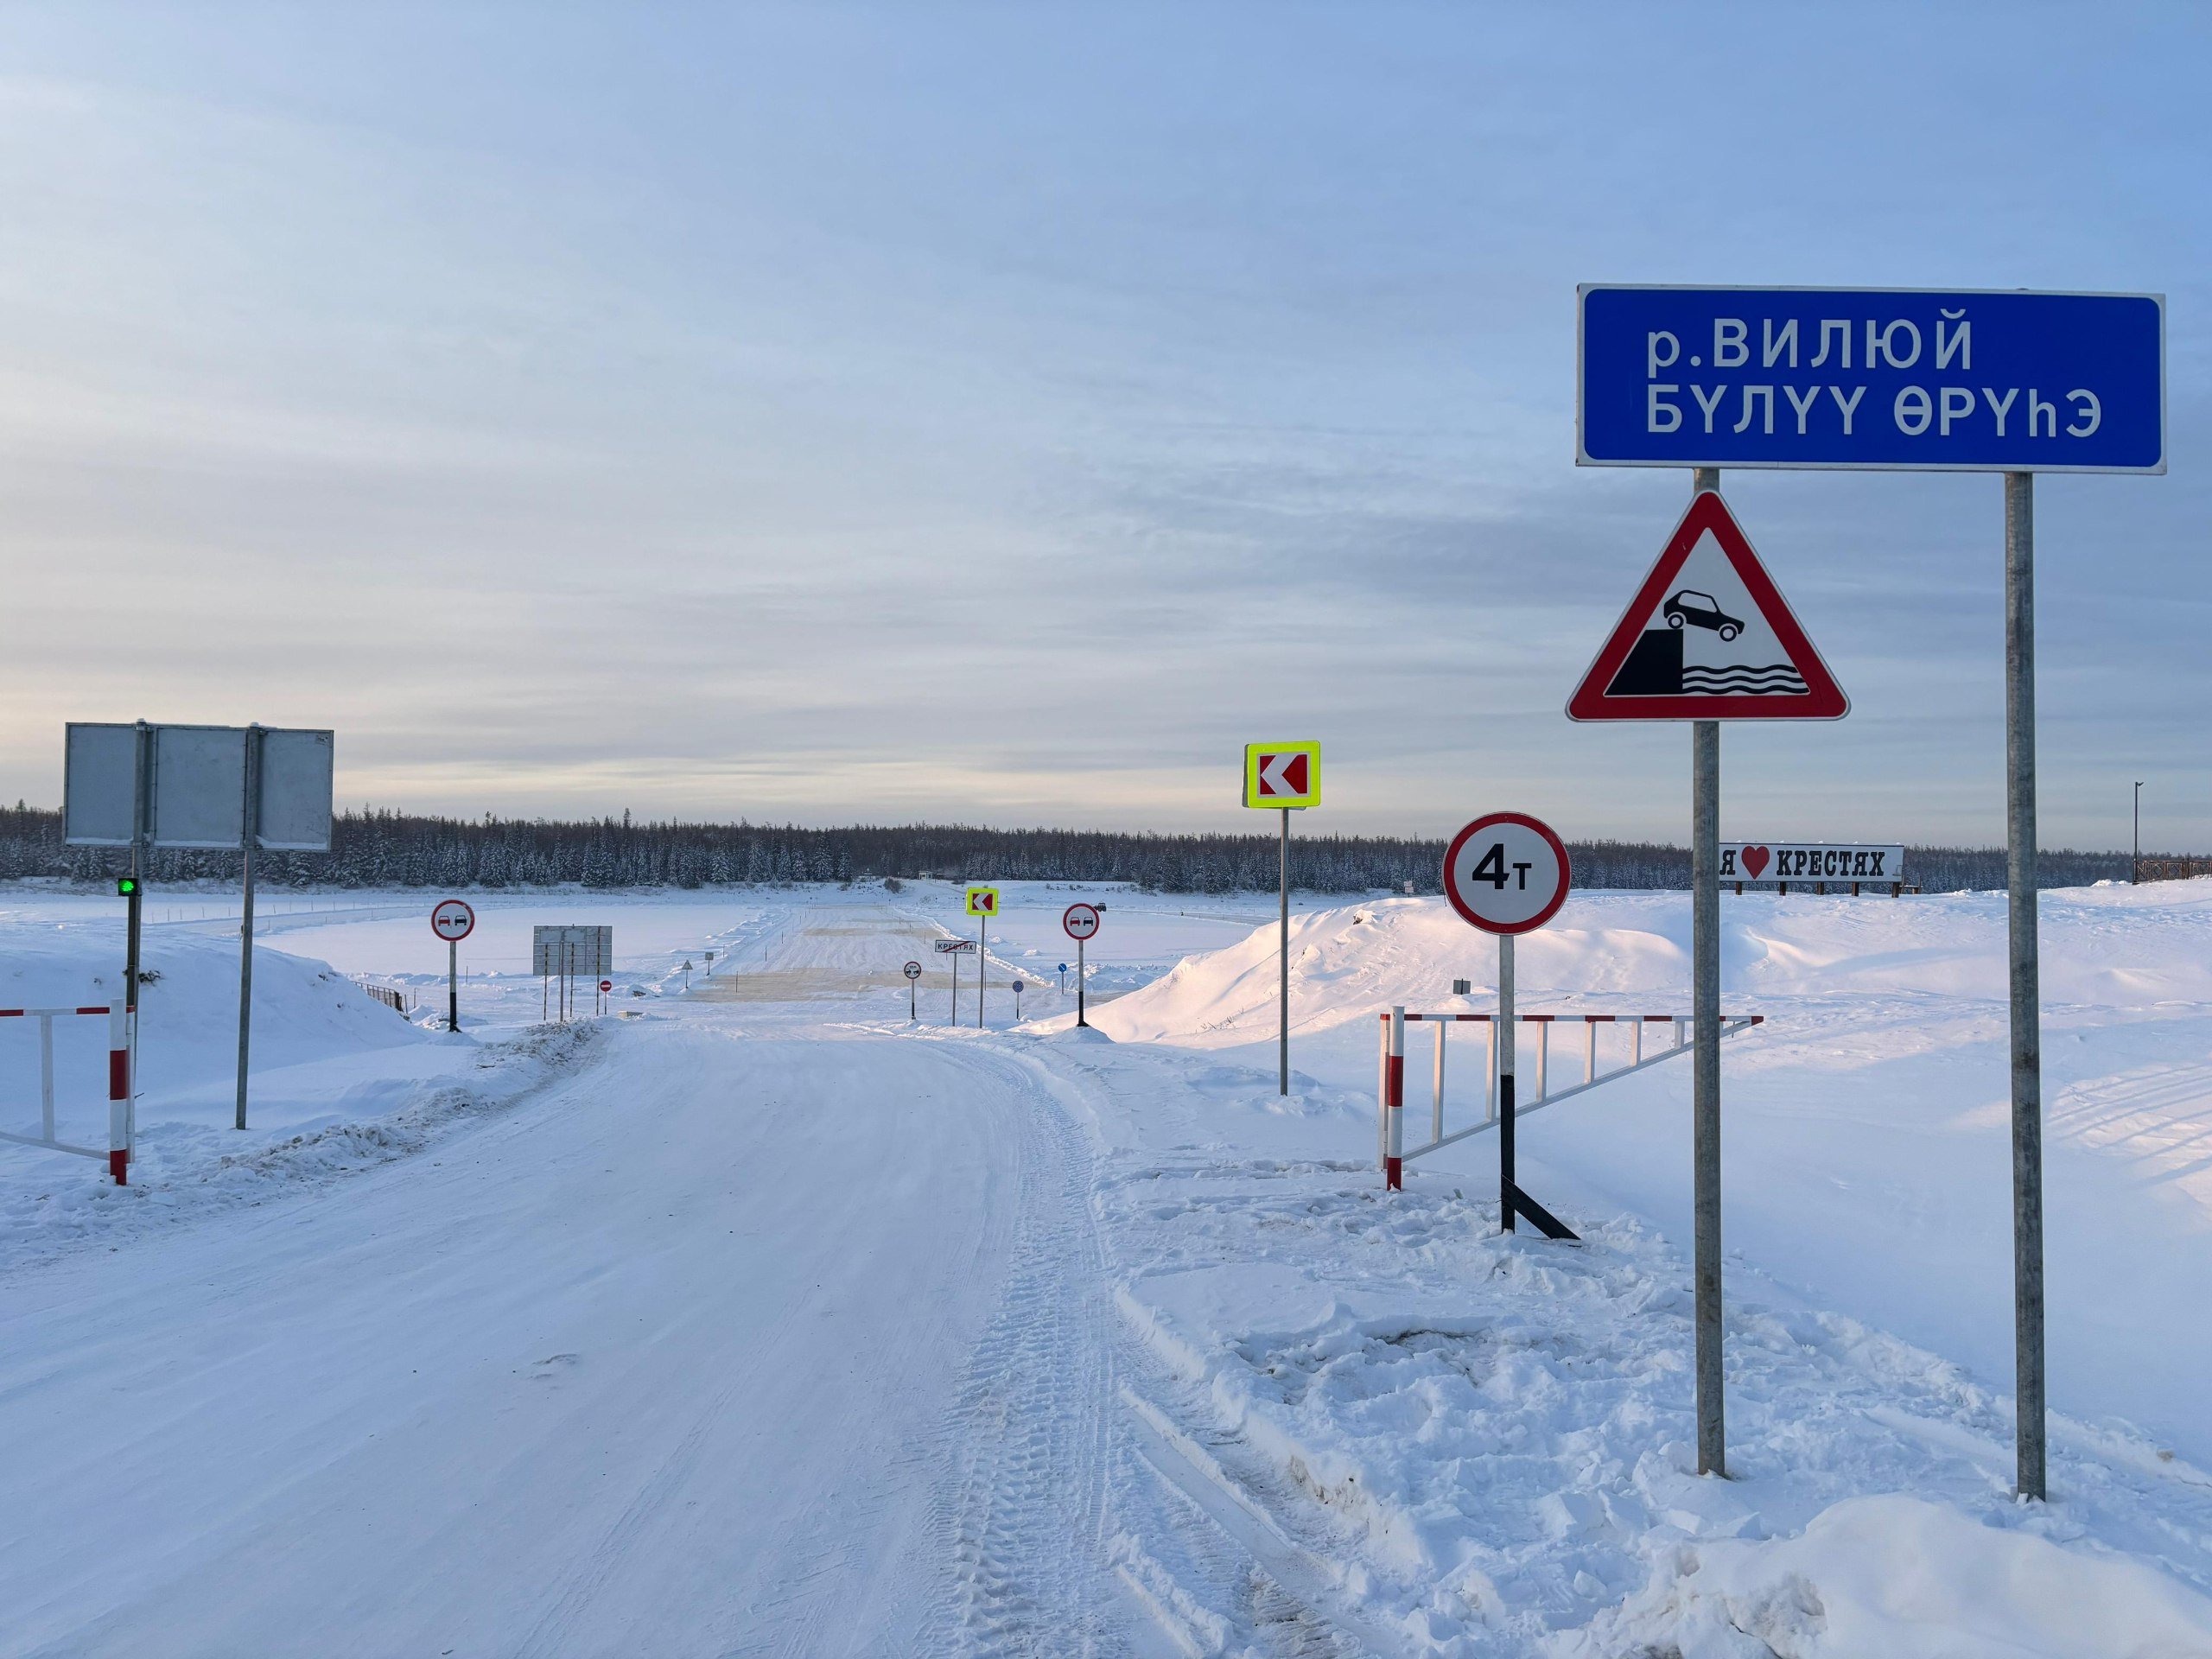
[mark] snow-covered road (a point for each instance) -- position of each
(675, 1358)
(762, 1321)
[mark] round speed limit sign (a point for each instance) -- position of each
(1506, 872)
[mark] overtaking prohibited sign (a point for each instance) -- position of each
(1506, 872)
(1081, 921)
(1708, 635)
(453, 920)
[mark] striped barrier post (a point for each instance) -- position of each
(1394, 1161)
(118, 1095)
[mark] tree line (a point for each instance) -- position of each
(385, 850)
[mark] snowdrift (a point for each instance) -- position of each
(2130, 948)
(321, 1047)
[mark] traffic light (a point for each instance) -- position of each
(126, 885)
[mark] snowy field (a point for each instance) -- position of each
(759, 1319)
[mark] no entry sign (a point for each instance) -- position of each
(1506, 872)
(1081, 921)
(453, 921)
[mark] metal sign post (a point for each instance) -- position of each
(210, 788)
(982, 904)
(2005, 381)
(913, 972)
(251, 809)
(954, 948)
(1506, 874)
(1287, 776)
(1079, 923)
(453, 920)
(2026, 992)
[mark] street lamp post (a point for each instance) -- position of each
(2135, 863)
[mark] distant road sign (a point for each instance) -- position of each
(1889, 379)
(453, 920)
(1282, 774)
(584, 950)
(982, 901)
(1800, 861)
(1708, 635)
(946, 947)
(912, 970)
(606, 984)
(1081, 921)
(1506, 872)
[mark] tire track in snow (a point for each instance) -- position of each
(1025, 1511)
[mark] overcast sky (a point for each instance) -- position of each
(1004, 413)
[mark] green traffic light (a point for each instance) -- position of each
(125, 885)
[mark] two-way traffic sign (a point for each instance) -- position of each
(1708, 635)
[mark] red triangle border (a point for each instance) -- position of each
(1823, 699)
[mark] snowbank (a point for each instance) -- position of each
(1905, 1580)
(339, 1082)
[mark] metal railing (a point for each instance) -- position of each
(1542, 1094)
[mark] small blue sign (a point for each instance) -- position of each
(1889, 379)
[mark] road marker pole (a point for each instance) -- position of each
(1283, 957)
(1080, 1019)
(1282, 776)
(118, 1094)
(1394, 1104)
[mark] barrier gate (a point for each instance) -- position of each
(120, 1127)
(1390, 1066)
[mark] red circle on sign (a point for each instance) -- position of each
(606, 984)
(453, 920)
(1464, 904)
(1081, 921)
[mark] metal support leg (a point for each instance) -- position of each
(2027, 1007)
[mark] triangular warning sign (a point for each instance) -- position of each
(1708, 635)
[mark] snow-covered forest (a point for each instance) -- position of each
(383, 849)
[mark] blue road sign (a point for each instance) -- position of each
(1975, 380)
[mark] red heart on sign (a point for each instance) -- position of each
(1756, 859)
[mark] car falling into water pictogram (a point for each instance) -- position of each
(1700, 610)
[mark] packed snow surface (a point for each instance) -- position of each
(765, 1320)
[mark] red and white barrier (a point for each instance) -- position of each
(1394, 1100)
(119, 1127)
(1390, 1068)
